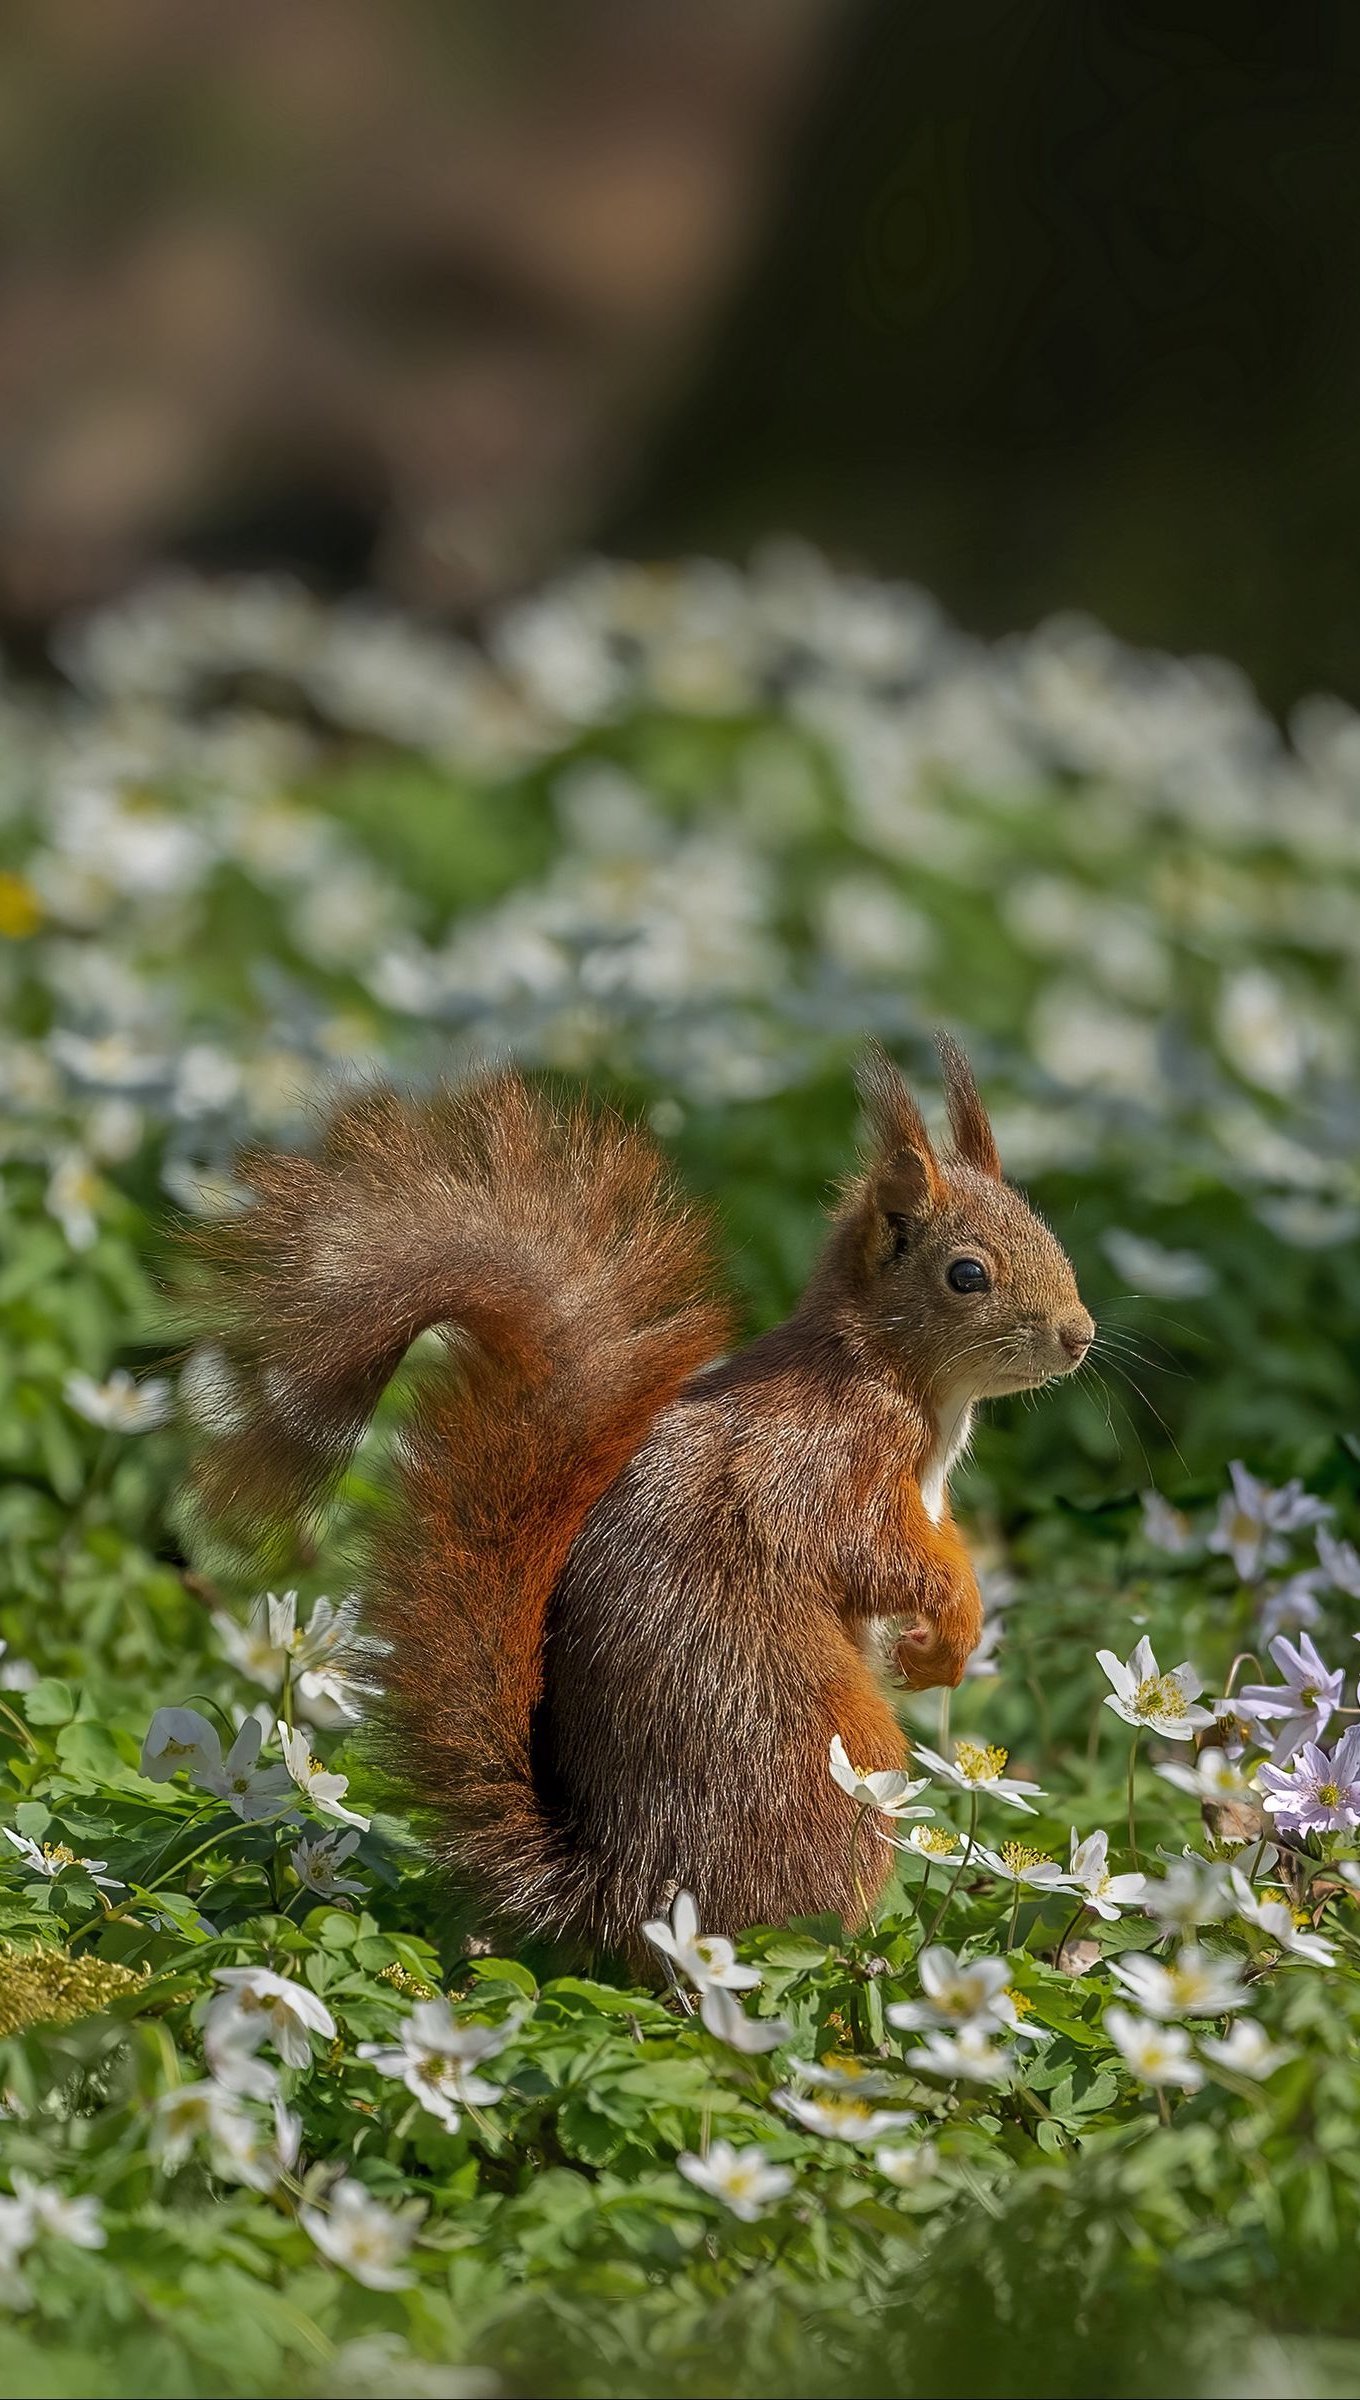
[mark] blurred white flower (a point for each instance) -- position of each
(1165, 1527)
(1157, 1273)
(841, 2071)
(907, 2165)
(255, 2006)
(1270, 1912)
(75, 2219)
(746, 2181)
(191, 2111)
(121, 1405)
(969, 2056)
(840, 2119)
(1195, 1984)
(885, 1789)
(1156, 2053)
(1245, 2050)
(1340, 1563)
(1194, 1891)
(356, 2232)
(1212, 1777)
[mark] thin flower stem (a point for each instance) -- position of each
(1068, 1930)
(1163, 2104)
(19, 1726)
(1133, 1829)
(942, 1737)
(855, 1832)
(938, 1919)
(1015, 1915)
(1244, 1658)
(286, 1694)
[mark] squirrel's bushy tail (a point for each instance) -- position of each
(575, 1293)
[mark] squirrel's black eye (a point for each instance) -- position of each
(968, 1275)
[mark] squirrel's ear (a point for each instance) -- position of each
(968, 1120)
(905, 1173)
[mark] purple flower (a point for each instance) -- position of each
(1304, 1701)
(1318, 1793)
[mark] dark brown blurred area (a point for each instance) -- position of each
(384, 290)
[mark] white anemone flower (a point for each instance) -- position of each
(436, 2058)
(938, 1845)
(254, 2006)
(248, 2150)
(1195, 1984)
(981, 1767)
(251, 1649)
(1019, 1862)
(1211, 1777)
(356, 2232)
(1246, 2050)
(1253, 1520)
(1090, 1875)
(886, 1789)
(316, 1862)
(1157, 2054)
(120, 1405)
(253, 1792)
(180, 1738)
(48, 1859)
(837, 2118)
(74, 1191)
(746, 2181)
(953, 1994)
(1320, 1790)
(1143, 1695)
(323, 1787)
(708, 1959)
(722, 2012)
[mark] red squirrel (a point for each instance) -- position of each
(632, 1587)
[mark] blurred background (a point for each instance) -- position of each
(1045, 307)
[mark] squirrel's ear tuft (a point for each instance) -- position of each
(968, 1120)
(905, 1172)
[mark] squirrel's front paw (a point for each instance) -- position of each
(926, 1656)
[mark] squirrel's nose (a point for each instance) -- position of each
(1076, 1333)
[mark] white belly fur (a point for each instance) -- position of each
(951, 1440)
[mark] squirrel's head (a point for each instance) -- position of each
(946, 1267)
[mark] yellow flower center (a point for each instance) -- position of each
(933, 1839)
(1020, 2002)
(1159, 1696)
(20, 908)
(1019, 1855)
(58, 1852)
(1329, 1794)
(979, 1762)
